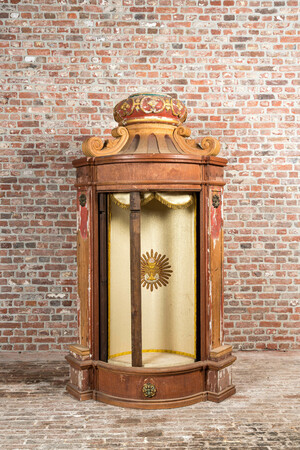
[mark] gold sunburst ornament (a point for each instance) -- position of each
(155, 270)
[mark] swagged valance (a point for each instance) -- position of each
(172, 200)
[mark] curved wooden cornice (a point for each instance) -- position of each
(94, 146)
(208, 146)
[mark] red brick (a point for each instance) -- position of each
(65, 69)
(28, 123)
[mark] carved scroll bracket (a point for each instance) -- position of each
(95, 146)
(209, 146)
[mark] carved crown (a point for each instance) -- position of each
(139, 108)
(150, 123)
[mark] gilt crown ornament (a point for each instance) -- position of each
(150, 123)
(140, 108)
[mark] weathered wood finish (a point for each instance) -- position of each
(175, 386)
(204, 282)
(135, 273)
(215, 237)
(206, 379)
(150, 172)
(83, 267)
(83, 260)
(125, 386)
(94, 275)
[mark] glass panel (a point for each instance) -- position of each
(119, 302)
(168, 274)
(168, 282)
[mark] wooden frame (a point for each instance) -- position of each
(201, 176)
(135, 273)
(103, 278)
(151, 152)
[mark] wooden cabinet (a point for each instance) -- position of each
(150, 263)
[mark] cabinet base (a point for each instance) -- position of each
(151, 388)
(151, 404)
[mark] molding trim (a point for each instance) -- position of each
(80, 365)
(220, 396)
(208, 146)
(79, 349)
(94, 146)
(221, 351)
(79, 395)
(151, 404)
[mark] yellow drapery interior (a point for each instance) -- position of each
(172, 200)
(168, 234)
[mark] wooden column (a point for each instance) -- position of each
(204, 284)
(92, 326)
(198, 276)
(135, 271)
(103, 279)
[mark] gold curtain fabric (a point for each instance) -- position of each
(172, 200)
(168, 246)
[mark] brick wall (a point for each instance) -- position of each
(66, 63)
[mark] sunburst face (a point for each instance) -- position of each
(155, 270)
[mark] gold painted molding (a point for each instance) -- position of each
(178, 136)
(94, 146)
(79, 349)
(209, 146)
(220, 351)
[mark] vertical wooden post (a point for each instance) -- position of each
(135, 272)
(103, 278)
(198, 276)
(204, 283)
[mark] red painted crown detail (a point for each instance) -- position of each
(150, 108)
